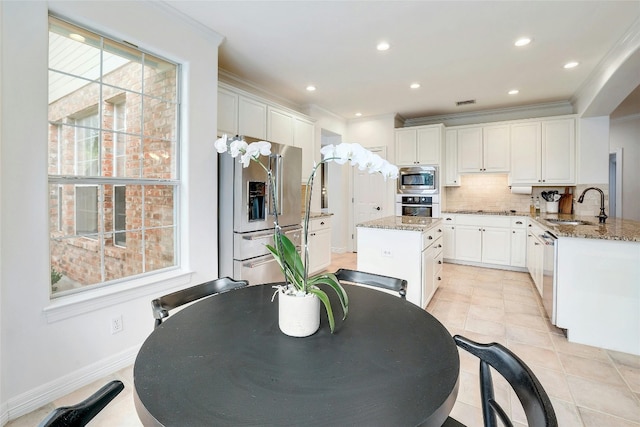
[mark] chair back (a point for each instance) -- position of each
(534, 399)
(80, 414)
(162, 305)
(373, 280)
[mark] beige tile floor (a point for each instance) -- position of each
(588, 386)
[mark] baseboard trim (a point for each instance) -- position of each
(48, 392)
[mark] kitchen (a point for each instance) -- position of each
(32, 345)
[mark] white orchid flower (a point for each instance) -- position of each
(238, 147)
(221, 144)
(389, 171)
(328, 151)
(259, 148)
(375, 163)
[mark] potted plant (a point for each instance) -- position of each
(300, 296)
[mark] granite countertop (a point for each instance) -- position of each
(405, 223)
(613, 229)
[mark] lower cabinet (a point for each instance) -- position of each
(431, 268)
(486, 239)
(319, 244)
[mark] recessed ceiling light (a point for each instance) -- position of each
(414, 85)
(358, 114)
(523, 41)
(571, 64)
(382, 46)
(77, 37)
(514, 92)
(311, 88)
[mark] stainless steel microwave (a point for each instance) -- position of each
(418, 180)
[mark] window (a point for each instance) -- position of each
(113, 156)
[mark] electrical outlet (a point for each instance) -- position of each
(387, 253)
(116, 324)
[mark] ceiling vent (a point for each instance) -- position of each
(467, 102)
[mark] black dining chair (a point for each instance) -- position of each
(80, 414)
(373, 280)
(534, 399)
(162, 305)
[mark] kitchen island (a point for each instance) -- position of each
(406, 247)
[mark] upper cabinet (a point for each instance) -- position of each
(543, 152)
(451, 175)
(241, 113)
(419, 145)
(483, 149)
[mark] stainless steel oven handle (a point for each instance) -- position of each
(258, 236)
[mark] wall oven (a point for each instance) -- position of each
(420, 206)
(418, 180)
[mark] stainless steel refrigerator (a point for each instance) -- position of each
(246, 212)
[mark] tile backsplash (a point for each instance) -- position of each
(491, 192)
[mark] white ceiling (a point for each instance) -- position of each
(457, 50)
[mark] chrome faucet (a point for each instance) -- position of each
(603, 216)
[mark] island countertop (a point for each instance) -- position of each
(405, 223)
(613, 229)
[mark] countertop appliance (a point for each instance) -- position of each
(549, 262)
(422, 206)
(418, 180)
(246, 212)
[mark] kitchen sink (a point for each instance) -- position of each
(569, 222)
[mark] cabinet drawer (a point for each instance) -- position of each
(484, 220)
(318, 224)
(430, 236)
(518, 222)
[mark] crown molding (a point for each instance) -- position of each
(252, 88)
(548, 109)
(196, 25)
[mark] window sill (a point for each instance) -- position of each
(74, 305)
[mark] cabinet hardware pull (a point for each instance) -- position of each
(439, 262)
(439, 278)
(322, 223)
(430, 237)
(518, 222)
(439, 230)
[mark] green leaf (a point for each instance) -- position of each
(327, 305)
(331, 280)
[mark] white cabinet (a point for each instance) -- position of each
(451, 175)
(483, 149)
(483, 239)
(431, 264)
(543, 153)
(252, 118)
(558, 151)
(227, 112)
(518, 242)
(279, 126)
(419, 145)
(449, 236)
(319, 244)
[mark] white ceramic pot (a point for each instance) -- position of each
(298, 315)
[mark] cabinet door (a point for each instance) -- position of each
(406, 147)
(227, 112)
(319, 250)
(559, 152)
(519, 248)
(303, 137)
(451, 176)
(428, 145)
(526, 153)
(252, 118)
(468, 243)
(279, 126)
(470, 150)
(496, 144)
(496, 245)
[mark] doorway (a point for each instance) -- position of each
(615, 183)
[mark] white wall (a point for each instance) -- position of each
(593, 150)
(50, 348)
(625, 134)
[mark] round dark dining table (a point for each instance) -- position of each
(223, 361)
